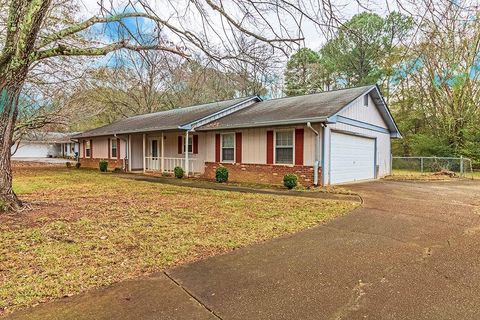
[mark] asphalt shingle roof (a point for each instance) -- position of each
(163, 120)
(290, 109)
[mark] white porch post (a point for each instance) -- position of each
(144, 159)
(129, 153)
(186, 153)
(162, 160)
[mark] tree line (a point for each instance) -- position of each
(428, 70)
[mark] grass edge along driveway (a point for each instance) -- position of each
(86, 230)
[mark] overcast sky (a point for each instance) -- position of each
(313, 37)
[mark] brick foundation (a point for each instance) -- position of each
(93, 163)
(262, 173)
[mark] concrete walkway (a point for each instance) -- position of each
(411, 252)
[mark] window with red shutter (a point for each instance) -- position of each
(299, 147)
(217, 147)
(195, 144)
(179, 144)
(238, 147)
(269, 147)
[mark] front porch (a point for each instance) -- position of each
(162, 152)
(164, 164)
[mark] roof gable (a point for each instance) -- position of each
(382, 108)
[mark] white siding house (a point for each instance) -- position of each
(332, 137)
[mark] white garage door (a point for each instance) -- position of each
(352, 158)
(33, 150)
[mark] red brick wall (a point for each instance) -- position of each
(262, 173)
(93, 163)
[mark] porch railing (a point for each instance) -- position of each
(155, 164)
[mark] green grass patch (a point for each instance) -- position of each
(88, 229)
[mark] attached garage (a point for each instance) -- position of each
(36, 150)
(352, 158)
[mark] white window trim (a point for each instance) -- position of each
(185, 147)
(275, 147)
(234, 147)
(111, 148)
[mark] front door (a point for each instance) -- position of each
(154, 160)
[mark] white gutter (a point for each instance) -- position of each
(317, 156)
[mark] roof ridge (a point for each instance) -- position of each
(323, 92)
(186, 107)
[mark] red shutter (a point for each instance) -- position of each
(83, 144)
(91, 149)
(118, 148)
(238, 147)
(217, 147)
(109, 148)
(179, 144)
(195, 143)
(269, 147)
(299, 147)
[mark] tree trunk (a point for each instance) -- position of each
(9, 94)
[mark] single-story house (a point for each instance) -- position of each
(325, 138)
(37, 144)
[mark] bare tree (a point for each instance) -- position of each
(37, 31)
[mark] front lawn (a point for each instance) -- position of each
(86, 229)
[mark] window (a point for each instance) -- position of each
(284, 147)
(113, 153)
(87, 148)
(365, 100)
(190, 144)
(228, 147)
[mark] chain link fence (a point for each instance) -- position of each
(424, 165)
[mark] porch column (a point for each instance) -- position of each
(162, 160)
(144, 159)
(186, 153)
(129, 152)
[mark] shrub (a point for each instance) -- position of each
(68, 164)
(77, 165)
(290, 180)
(221, 174)
(117, 170)
(103, 165)
(178, 171)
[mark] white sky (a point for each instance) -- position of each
(313, 37)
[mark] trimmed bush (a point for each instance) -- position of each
(77, 165)
(103, 165)
(178, 172)
(290, 180)
(117, 170)
(68, 164)
(221, 174)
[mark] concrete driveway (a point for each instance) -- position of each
(411, 252)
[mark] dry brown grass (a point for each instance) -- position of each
(86, 229)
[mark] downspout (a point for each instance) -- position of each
(126, 150)
(317, 157)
